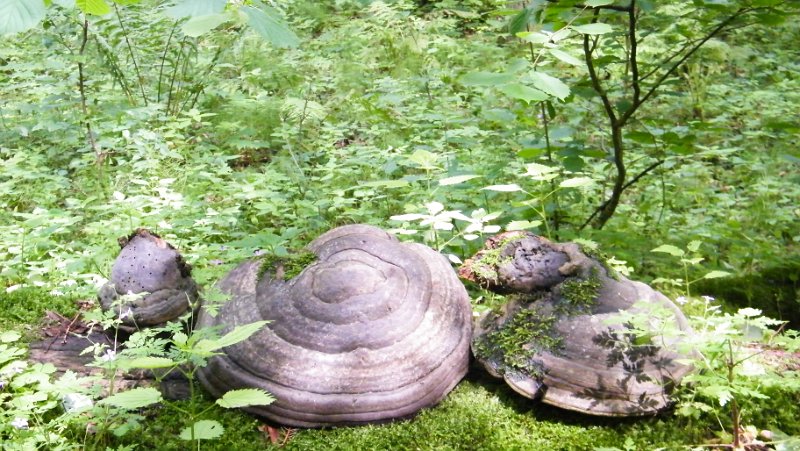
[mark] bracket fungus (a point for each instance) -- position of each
(151, 268)
(567, 335)
(374, 329)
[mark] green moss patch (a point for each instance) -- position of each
(579, 295)
(292, 263)
(24, 309)
(516, 342)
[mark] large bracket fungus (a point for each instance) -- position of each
(561, 338)
(375, 329)
(151, 268)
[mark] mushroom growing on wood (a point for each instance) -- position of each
(374, 329)
(565, 338)
(151, 268)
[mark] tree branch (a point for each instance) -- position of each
(634, 63)
(598, 87)
(721, 26)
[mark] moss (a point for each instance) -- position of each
(516, 342)
(293, 263)
(602, 258)
(24, 309)
(485, 267)
(579, 295)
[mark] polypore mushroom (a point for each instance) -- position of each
(375, 329)
(151, 268)
(562, 339)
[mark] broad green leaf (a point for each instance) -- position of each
(485, 79)
(549, 84)
(535, 38)
(520, 21)
(716, 274)
(576, 182)
(20, 15)
(268, 23)
(195, 8)
(95, 7)
(521, 92)
(694, 245)
(147, 363)
(537, 170)
(504, 188)
(566, 57)
(384, 183)
(245, 397)
(596, 3)
(522, 225)
(593, 28)
(134, 399)
(669, 249)
(238, 334)
(199, 25)
(9, 336)
(203, 430)
(455, 180)
(408, 217)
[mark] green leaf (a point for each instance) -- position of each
(576, 182)
(267, 22)
(504, 188)
(716, 274)
(147, 363)
(95, 7)
(522, 225)
(134, 399)
(238, 334)
(195, 8)
(596, 3)
(550, 85)
(9, 336)
(485, 79)
(669, 249)
(20, 15)
(245, 397)
(200, 25)
(520, 21)
(566, 57)
(593, 28)
(203, 430)
(521, 92)
(455, 180)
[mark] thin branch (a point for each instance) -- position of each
(82, 90)
(642, 174)
(587, 52)
(634, 63)
(164, 59)
(682, 60)
(130, 50)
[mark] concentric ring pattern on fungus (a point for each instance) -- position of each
(374, 329)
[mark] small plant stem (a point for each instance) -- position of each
(130, 50)
(734, 406)
(553, 186)
(164, 59)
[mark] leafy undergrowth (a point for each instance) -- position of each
(481, 413)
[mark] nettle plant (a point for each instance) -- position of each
(165, 350)
(739, 358)
(443, 229)
(94, 412)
